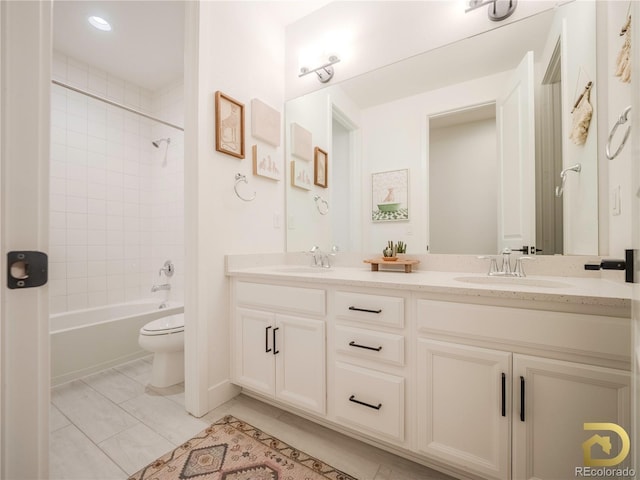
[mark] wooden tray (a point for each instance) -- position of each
(406, 264)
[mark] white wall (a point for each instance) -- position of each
(372, 34)
(618, 98)
(116, 212)
(239, 51)
(463, 187)
(395, 136)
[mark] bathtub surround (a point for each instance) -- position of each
(90, 340)
(116, 208)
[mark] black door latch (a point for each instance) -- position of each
(614, 264)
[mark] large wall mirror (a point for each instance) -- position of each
(481, 126)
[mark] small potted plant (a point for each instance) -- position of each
(389, 252)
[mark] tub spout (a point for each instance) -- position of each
(164, 286)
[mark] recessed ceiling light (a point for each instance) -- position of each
(100, 23)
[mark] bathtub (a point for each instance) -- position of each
(87, 341)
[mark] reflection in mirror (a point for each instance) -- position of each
(396, 117)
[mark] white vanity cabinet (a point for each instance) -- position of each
(368, 371)
(501, 412)
(548, 419)
(464, 406)
(278, 351)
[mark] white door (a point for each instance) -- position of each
(255, 362)
(25, 75)
(515, 131)
(464, 407)
(635, 227)
(549, 435)
(299, 347)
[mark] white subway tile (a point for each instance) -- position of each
(97, 81)
(115, 192)
(96, 237)
(115, 252)
(57, 186)
(76, 269)
(57, 304)
(59, 99)
(58, 136)
(96, 206)
(115, 222)
(77, 188)
(77, 105)
(97, 190)
(76, 204)
(76, 157)
(76, 285)
(77, 124)
(77, 140)
(115, 89)
(76, 171)
(58, 253)
(77, 301)
(95, 172)
(57, 270)
(97, 284)
(96, 252)
(115, 238)
(77, 238)
(97, 268)
(97, 299)
(57, 236)
(58, 154)
(115, 282)
(76, 253)
(77, 220)
(98, 145)
(114, 208)
(115, 267)
(115, 296)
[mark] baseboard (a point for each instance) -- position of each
(221, 393)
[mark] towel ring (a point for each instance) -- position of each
(621, 121)
(563, 175)
(319, 202)
(242, 178)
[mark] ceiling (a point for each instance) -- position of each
(146, 44)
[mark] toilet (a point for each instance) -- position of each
(165, 338)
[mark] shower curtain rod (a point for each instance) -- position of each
(115, 104)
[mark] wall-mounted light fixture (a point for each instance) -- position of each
(498, 9)
(324, 72)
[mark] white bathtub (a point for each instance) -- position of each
(87, 341)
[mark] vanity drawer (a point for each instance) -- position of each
(575, 333)
(363, 343)
(294, 299)
(376, 309)
(370, 401)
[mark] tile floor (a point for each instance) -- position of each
(109, 425)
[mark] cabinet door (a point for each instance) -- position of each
(559, 398)
(463, 410)
(254, 359)
(300, 362)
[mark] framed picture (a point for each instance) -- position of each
(389, 196)
(301, 142)
(265, 162)
(320, 163)
(301, 175)
(265, 122)
(229, 125)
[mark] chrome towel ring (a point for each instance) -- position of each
(321, 204)
(242, 178)
(621, 121)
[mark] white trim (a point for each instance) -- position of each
(222, 392)
(24, 318)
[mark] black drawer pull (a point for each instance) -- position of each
(352, 398)
(354, 344)
(275, 350)
(521, 398)
(504, 395)
(357, 309)
(267, 349)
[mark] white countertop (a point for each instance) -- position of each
(597, 293)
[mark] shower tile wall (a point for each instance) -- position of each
(116, 208)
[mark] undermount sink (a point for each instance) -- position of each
(302, 269)
(524, 281)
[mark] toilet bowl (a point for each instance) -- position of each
(165, 338)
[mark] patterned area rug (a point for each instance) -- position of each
(231, 449)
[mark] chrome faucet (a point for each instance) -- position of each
(505, 269)
(321, 259)
(164, 286)
(167, 268)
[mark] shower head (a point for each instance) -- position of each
(156, 143)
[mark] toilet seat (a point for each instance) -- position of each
(164, 326)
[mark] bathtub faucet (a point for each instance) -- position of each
(164, 286)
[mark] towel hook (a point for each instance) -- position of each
(563, 175)
(319, 202)
(621, 121)
(242, 178)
